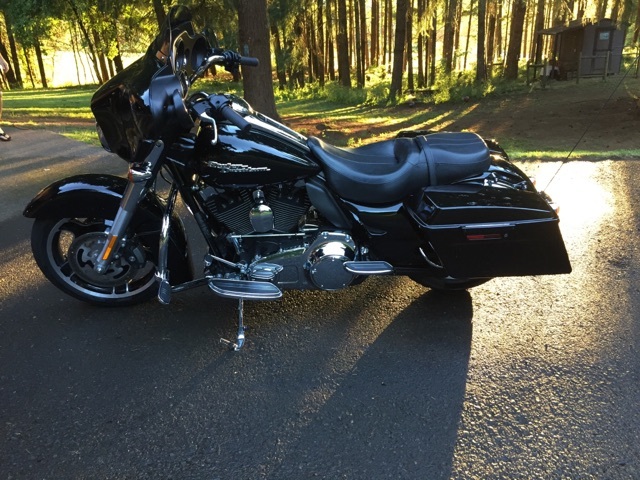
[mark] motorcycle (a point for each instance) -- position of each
(277, 210)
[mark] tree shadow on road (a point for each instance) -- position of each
(395, 414)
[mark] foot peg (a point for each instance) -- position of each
(368, 267)
(244, 289)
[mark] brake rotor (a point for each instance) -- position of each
(84, 252)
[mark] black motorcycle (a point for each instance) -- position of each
(277, 210)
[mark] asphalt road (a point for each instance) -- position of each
(519, 378)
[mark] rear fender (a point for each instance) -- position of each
(95, 195)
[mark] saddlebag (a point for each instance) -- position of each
(475, 231)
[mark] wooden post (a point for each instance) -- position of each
(606, 65)
(579, 67)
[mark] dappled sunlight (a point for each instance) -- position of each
(442, 122)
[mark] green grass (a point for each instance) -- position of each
(63, 110)
(312, 110)
(53, 99)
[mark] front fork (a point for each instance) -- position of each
(141, 177)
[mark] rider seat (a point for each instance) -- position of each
(387, 171)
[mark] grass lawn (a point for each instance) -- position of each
(62, 110)
(595, 119)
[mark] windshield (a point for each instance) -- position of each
(145, 101)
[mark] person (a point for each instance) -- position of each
(4, 66)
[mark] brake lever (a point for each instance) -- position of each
(206, 118)
(212, 60)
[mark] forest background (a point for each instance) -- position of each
(312, 41)
(357, 52)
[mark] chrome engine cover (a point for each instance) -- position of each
(317, 265)
(325, 263)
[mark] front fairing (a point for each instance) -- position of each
(122, 108)
(145, 101)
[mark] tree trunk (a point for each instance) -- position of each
(602, 9)
(456, 39)
(43, 74)
(491, 34)
(363, 37)
(389, 33)
(398, 49)
(449, 35)
(14, 75)
(466, 46)
(25, 53)
(330, 50)
(280, 68)
(344, 73)
(101, 57)
(497, 41)
(385, 27)
(537, 55)
(375, 32)
(410, 83)
(310, 34)
(421, 62)
(519, 10)
(434, 31)
(159, 11)
(93, 54)
(481, 65)
(358, 51)
(615, 10)
(320, 46)
(636, 32)
(253, 26)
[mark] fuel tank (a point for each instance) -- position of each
(269, 153)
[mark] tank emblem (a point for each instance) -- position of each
(236, 168)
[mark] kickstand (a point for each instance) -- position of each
(241, 329)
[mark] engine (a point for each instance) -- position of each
(275, 209)
(274, 225)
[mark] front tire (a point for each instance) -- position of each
(65, 249)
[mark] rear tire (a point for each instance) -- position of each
(448, 284)
(65, 249)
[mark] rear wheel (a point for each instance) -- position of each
(66, 249)
(448, 284)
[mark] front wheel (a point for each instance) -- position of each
(448, 284)
(65, 249)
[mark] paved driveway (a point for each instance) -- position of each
(519, 378)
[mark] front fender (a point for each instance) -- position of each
(69, 196)
(96, 195)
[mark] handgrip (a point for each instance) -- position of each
(249, 61)
(234, 117)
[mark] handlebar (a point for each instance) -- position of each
(239, 60)
(249, 61)
(230, 60)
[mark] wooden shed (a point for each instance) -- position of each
(592, 48)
